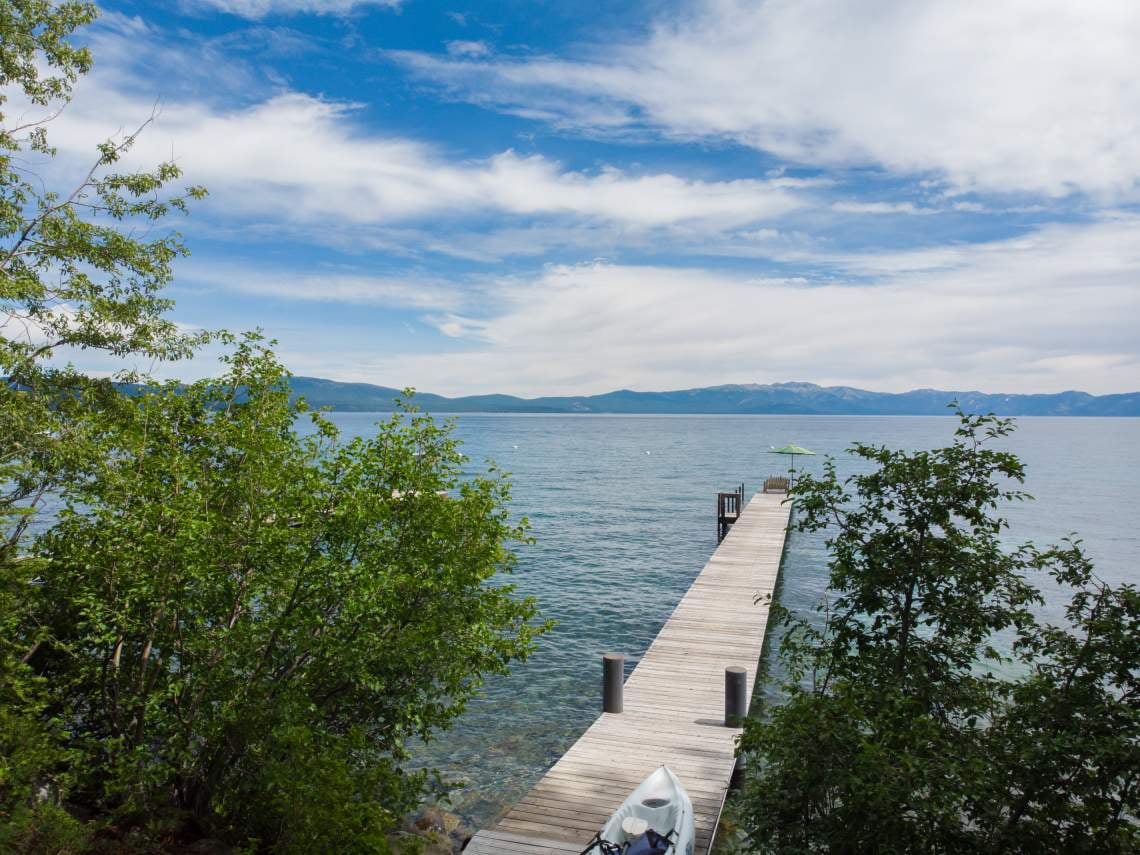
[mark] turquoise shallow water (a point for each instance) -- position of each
(623, 512)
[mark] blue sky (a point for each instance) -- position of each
(558, 197)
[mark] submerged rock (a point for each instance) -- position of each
(435, 818)
(445, 832)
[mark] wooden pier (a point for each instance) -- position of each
(674, 705)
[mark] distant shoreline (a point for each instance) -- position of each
(696, 414)
(776, 399)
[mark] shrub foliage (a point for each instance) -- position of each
(926, 708)
(246, 621)
(234, 619)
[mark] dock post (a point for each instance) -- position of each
(613, 677)
(735, 695)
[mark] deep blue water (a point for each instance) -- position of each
(622, 509)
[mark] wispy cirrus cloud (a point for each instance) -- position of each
(284, 165)
(257, 9)
(415, 290)
(272, 153)
(296, 157)
(1038, 96)
(848, 207)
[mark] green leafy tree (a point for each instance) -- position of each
(896, 735)
(235, 625)
(1065, 747)
(72, 277)
(247, 621)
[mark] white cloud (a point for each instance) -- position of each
(414, 291)
(1055, 310)
(461, 47)
(282, 156)
(256, 9)
(879, 208)
(294, 157)
(1017, 95)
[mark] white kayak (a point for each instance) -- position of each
(659, 804)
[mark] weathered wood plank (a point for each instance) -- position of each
(674, 704)
(502, 843)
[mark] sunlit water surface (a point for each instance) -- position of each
(622, 509)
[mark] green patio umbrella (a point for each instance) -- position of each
(792, 450)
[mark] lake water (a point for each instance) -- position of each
(623, 512)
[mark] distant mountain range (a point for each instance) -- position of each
(772, 398)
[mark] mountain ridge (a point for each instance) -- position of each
(788, 398)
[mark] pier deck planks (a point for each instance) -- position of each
(673, 706)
